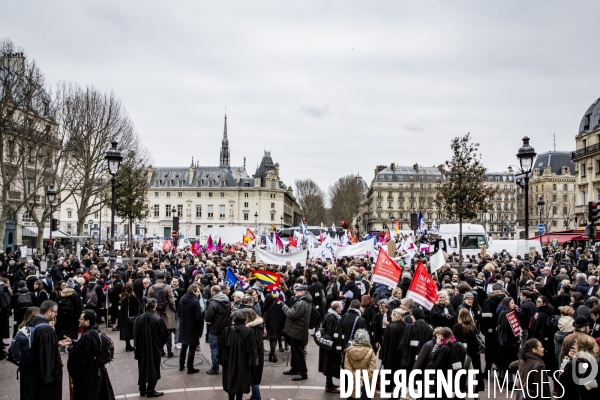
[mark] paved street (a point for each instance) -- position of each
(179, 385)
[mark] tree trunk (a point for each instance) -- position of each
(130, 242)
(3, 218)
(460, 249)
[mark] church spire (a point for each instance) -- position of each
(225, 146)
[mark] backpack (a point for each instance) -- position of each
(91, 298)
(65, 307)
(106, 350)
(161, 298)
(24, 301)
(19, 351)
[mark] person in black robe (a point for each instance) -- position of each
(489, 327)
(42, 379)
(237, 354)
(415, 335)
(389, 354)
(543, 330)
(150, 334)
(330, 360)
(446, 353)
(190, 327)
(89, 376)
(69, 310)
(346, 328)
(442, 314)
(254, 322)
(130, 307)
(380, 323)
(508, 344)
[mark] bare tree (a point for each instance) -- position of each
(345, 195)
(568, 212)
(311, 200)
(28, 142)
(90, 120)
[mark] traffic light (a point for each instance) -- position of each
(593, 212)
(54, 224)
(176, 224)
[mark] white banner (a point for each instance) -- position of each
(364, 248)
(280, 259)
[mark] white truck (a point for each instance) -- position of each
(515, 248)
(473, 238)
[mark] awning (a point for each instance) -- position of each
(562, 238)
(30, 231)
(55, 235)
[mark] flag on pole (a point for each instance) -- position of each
(386, 270)
(250, 234)
(409, 247)
(219, 246)
(230, 279)
(386, 237)
(292, 242)
(420, 222)
(209, 244)
(166, 246)
(351, 237)
(396, 227)
(437, 260)
(422, 289)
(434, 228)
(269, 244)
(278, 241)
(323, 226)
(267, 278)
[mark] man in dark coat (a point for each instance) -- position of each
(114, 293)
(489, 324)
(150, 336)
(296, 330)
(217, 319)
(330, 360)
(190, 328)
(413, 338)
(344, 330)
(89, 376)
(42, 379)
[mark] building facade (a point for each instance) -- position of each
(397, 191)
(219, 196)
(552, 182)
(586, 158)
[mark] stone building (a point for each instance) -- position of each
(219, 196)
(586, 158)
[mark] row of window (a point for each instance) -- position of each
(210, 211)
(201, 182)
(565, 187)
(583, 169)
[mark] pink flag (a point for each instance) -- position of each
(196, 248)
(219, 246)
(209, 244)
(278, 241)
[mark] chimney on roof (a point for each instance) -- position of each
(238, 175)
(393, 167)
(277, 169)
(150, 172)
(379, 168)
(416, 167)
(191, 178)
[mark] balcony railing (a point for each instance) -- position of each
(595, 148)
(12, 194)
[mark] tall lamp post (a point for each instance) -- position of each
(358, 219)
(90, 223)
(540, 204)
(113, 158)
(526, 154)
(281, 218)
(51, 196)
(256, 222)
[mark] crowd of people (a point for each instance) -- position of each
(165, 303)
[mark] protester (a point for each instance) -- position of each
(508, 343)
(254, 322)
(88, 374)
(465, 332)
(274, 320)
(42, 379)
(330, 360)
(360, 356)
(237, 355)
(530, 360)
(165, 308)
(391, 342)
(217, 319)
(150, 337)
(446, 354)
(192, 325)
(69, 312)
(583, 364)
(130, 309)
(296, 329)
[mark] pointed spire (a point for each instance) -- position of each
(225, 146)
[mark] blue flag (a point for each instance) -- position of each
(230, 278)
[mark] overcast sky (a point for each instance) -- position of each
(331, 87)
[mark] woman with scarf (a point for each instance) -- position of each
(587, 388)
(39, 293)
(360, 356)
(530, 359)
(465, 332)
(508, 343)
(447, 354)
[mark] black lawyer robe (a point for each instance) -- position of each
(150, 334)
(237, 354)
(389, 354)
(42, 379)
(130, 307)
(414, 336)
(330, 360)
(90, 378)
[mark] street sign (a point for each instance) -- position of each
(541, 228)
(174, 234)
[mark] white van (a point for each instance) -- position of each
(515, 248)
(473, 238)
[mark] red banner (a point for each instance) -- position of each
(386, 270)
(513, 320)
(423, 289)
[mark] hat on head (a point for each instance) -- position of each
(71, 285)
(468, 295)
(466, 271)
(581, 321)
(43, 273)
(565, 324)
(301, 287)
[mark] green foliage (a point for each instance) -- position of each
(463, 194)
(131, 189)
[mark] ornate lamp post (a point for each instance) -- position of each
(540, 204)
(51, 196)
(113, 159)
(526, 154)
(256, 222)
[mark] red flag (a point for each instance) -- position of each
(219, 246)
(166, 246)
(386, 270)
(232, 249)
(193, 248)
(423, 289)
(292, 242)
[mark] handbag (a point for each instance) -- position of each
(323, 340)
(480, 343)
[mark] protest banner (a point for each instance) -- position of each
(422, 289)
(386, 270)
